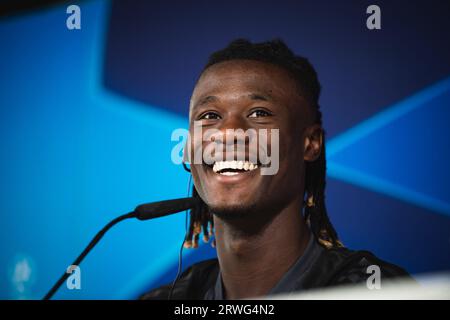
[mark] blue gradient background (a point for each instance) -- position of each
(86, 118)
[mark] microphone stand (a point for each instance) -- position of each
(89, 247)
(142, 212)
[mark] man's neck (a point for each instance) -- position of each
(252, 263)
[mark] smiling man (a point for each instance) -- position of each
(272, 231)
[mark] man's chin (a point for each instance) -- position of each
(233, 211)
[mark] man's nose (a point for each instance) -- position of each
(232, 129)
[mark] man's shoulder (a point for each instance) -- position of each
(335, 266)
(338, 266)
(192, 284)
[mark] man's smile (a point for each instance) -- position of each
(231, 171)
(230, 168)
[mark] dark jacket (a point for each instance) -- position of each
(336, 266)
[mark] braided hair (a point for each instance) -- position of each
(315, 213)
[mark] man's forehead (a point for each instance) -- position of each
(251, 82)
(252, 73)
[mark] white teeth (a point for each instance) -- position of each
(229, 173)
(239, 165)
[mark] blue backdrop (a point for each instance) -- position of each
(86, 118)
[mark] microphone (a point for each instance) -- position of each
(164, 208)
(142, 212)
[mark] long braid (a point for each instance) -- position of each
(200, 218)
(315, 211)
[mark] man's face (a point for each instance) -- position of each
(246, 94)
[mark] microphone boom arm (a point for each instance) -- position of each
(142, 212)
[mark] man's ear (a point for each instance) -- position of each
(313, 142)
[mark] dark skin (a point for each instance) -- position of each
(259, 230)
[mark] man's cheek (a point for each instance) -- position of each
(196, 176)
(271, 158)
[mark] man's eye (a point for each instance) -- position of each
(259, 113)
(209, 116)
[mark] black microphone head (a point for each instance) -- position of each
(164, 208)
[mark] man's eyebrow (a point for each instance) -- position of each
(205, 100)
(259, 96)
(252, 96)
